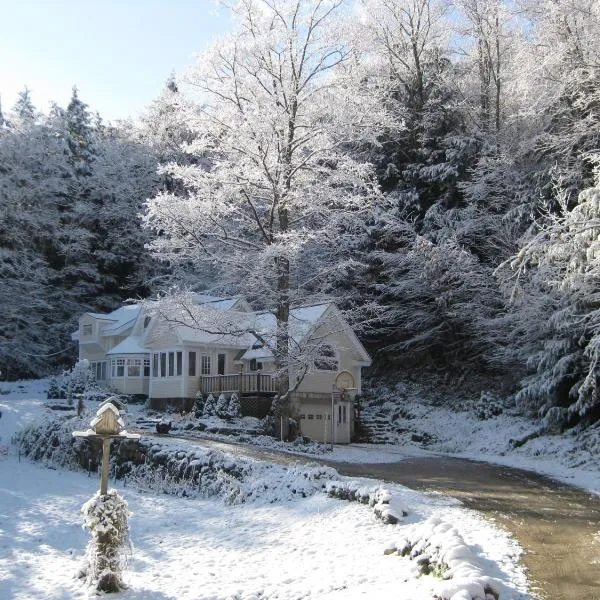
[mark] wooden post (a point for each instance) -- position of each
(105, 465)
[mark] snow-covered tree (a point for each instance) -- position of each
(234, 408)
(557, 292)
(210, 406)
(221, 408)
(276, 195)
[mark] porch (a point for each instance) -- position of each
(258, 384)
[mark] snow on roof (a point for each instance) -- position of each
(119, 317)
(216, 302)
(197, 336)
(257, 353)
(122, 316)
(130, 345)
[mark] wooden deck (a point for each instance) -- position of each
(241, 383)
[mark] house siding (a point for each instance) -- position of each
(316, 381)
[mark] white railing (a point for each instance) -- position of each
(238, 382)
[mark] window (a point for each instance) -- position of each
(221, 364)
(146, 367)
(120, 367)
(155, 365)
(326, 360)
(99, 370)
(87, 329)
(192, 364)
(311, 417)
(255, 366)
(163, 364)
(319, 417)
(179, 363)
(134, 367)
(113, 368)
(205, 366)
(171, 364)
(302, 417)
(147, 321)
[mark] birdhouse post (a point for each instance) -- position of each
(106, 514)
(107, 425)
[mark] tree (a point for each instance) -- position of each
(558, 309)
(274, 195)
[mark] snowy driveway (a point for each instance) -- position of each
(558, 526)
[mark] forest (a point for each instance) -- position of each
(431, 166)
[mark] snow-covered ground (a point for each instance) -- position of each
(313, 547)
(417, 426)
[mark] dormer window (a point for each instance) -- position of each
(87, 329)
(147, 321)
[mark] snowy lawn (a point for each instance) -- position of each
(315, 547)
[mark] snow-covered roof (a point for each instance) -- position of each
(130, 345)
(216, 302)
(122, 316)
(120, 319)
(256, 353)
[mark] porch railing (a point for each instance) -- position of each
(238, 382)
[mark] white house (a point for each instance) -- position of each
(223, 347)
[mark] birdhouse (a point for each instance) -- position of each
(107, 421)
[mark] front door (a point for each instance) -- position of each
(221, 364)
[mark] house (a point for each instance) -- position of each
(219, 345)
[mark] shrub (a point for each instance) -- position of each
(107, 518)
(234, 408)
(210, 406)
(222, 406)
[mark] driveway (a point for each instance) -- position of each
(558, 526)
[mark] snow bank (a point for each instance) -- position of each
(440, 550)
(385, 506)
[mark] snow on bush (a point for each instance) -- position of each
(440, 550)
(193, 471)
(107, 518)
(210, 406)
(198, 405)
(384, 505)
(222, 406)
(234, 409)
(176, 468)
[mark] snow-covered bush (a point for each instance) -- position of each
(488, 406)
(73, 381)
(198, 405)
(210, 406)
(439, 550)
(234, 408)
(222, 406)
(107, 518)
(378, 498)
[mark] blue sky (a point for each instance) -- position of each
(118, 52)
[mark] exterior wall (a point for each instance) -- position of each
(91, 352)
(348, 360)
(130, 385)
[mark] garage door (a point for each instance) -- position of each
(314, 422)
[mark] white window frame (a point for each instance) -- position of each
(205, 364)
